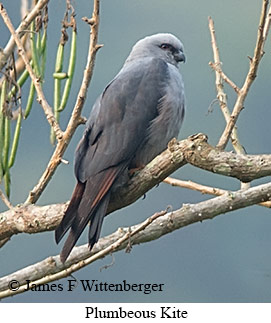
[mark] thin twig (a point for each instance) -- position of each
(221, 95)
(203, 188)
(19, 64)
(217, 68)
(194, 186)
(5, 200)
(267, 24)
(20, 30)
(93, 49)
(263, 29)
(36, 80)
(76, 118)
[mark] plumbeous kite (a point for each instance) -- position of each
(132, 121)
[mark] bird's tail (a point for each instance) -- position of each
(70, 213)
(96, 217)
(88, 203)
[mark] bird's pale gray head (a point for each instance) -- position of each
(164, 46)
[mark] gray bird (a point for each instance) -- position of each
(132, 121)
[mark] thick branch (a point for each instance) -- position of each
(243, 167)
(48, 269)
(194, 150)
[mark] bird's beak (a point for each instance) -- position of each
(179, 56)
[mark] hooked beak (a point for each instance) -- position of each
(179, 56)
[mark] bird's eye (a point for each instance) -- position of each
(165, 46)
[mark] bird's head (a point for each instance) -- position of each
(164, 46)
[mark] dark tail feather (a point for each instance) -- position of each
(89, 206)
(70, 213)
(97, 221)
(96, 217)
(92, 207)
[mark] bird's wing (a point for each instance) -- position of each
(115, 130)
(121, 117)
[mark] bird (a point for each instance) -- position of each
(130, 123)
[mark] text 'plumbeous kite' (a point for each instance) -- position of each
(132, 121)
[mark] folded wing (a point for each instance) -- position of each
(117, 128)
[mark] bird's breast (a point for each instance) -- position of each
(166, 125)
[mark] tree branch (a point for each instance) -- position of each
(4, 55)
(263, 29)
(204, 189)
(51, 268)
(75, 266)
(76, 118)
(217, 63)
(194, 150)
(36, 80)
(221, 95)
(5, 200)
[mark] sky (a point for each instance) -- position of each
(221, 260)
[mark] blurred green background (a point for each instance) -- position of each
(223, 260)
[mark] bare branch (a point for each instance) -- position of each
(263, 29)
(75, 266)
(76, 118)
(221, 95)
(4, 55)
(5, 200)
(30, 219)
(195, 186)
(36, 80)
(267, 24)
(225, 78)
(204, 189)
(239, 166)
(52, 269)
(194, 150)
